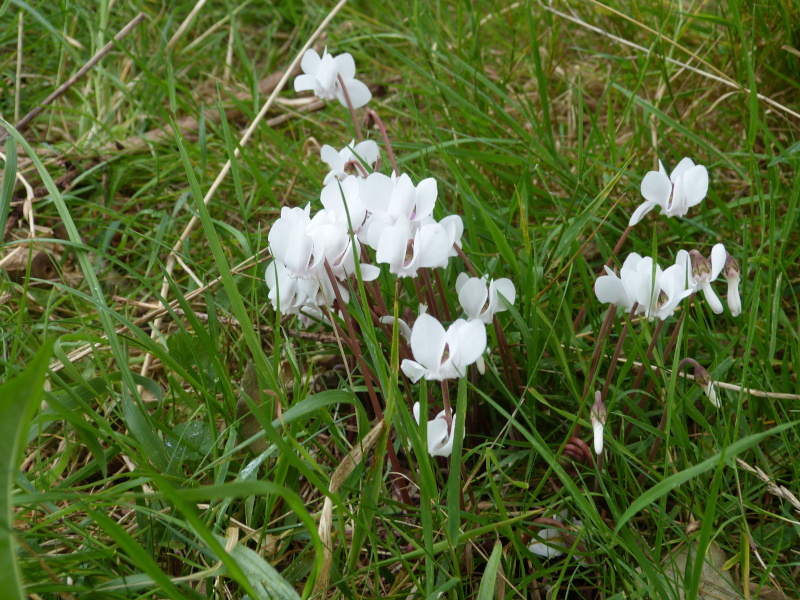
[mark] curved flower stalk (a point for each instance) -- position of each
(482, 302)
(440, 354)
(364, 154)
(657, 292)
(675, 193)
(440, 437)
(321, 75)
(702, 272)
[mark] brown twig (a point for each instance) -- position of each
(23, 123)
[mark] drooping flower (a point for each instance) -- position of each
(321, 75)
(732, 275)
(598, 418)
(702, 272)
(703, 378)
(440, 354)
(364, 153)
(674, 193)
(480, 302)
(551, 539)
(440, 439)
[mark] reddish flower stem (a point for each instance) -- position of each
(441, 294)
(598, 347)
(640, 374)
(379, 122)
(352, 110)
(617, 352)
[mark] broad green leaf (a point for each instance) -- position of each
(266, 581)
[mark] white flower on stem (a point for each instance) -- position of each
(290, 243)
(675, 193)
(321, 75)
(732, 275)
(440, 439)
(440, 354)
(406, 253)
(364, 153)
(480, 302)
(702, 272)
(598, 417)
(345, 201)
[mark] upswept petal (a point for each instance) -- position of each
(345, 65)
(641, 211)
(656, 187)
(461, 280)
(311, 61)
(434, 246)
(392, 244)
(367, 151)
(677, 204)
(438, 436)
(413, 370)
(681, 169)
(468, 342)
(377, 191)
(332, 158)
(427, 193)
(369, 272)
(610, 289)
(472, 296)
(695, 185)
(404, 330)
(304, 83)
(718, 256)
(506, 288)
(428, 339)
(359, 93)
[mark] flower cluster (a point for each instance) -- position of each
(657, 293)
(675, 193)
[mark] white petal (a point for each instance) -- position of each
(468, 343)
(713, 301)
(331, 157)
(402, 326)
(610, 289)
(427, 193)
(310, 62)
(641, 211)
(681, 169)
(345, 65)
(438, 438)
(598, 437)
(472, 297)
(695, 185)
(718, 257)
(434, 245)
(542, 549)
(392, 245)
(367, 152)
(734, 300)
(304, 83)
(358, 92)
(656, 187)
(677, 206)
(505, 287)
(461, 280)
(369, 272)
(413, 370)
(428, 339)
(416, 412)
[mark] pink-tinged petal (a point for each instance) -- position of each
(413, 370)
(310, 62)
(358, 92)
(610, 289)
(369, 272)
(718, 257)
(472, 296)
(426, 198)
(641, 211)
(428, 339)
(469, 343)
(713, 301)
(346, 66)
(331, 157)
(392, 245)
(681, 170)
(505, 287)
(657, 188)
(304, 83)
(434, 246)
(695, 185)
(461, 280)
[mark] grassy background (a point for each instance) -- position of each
(538, 122)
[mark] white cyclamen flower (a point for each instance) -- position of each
(321, 75)
(702, 272)
(674, 193)
(703, 378)
(482, 303)
(364, 153)
(732, 275)
(440, 354)
(552, 538)
(440, 440)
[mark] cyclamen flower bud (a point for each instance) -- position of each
(733, 275)
(703, 378)
(598, 418)
(705, 271)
